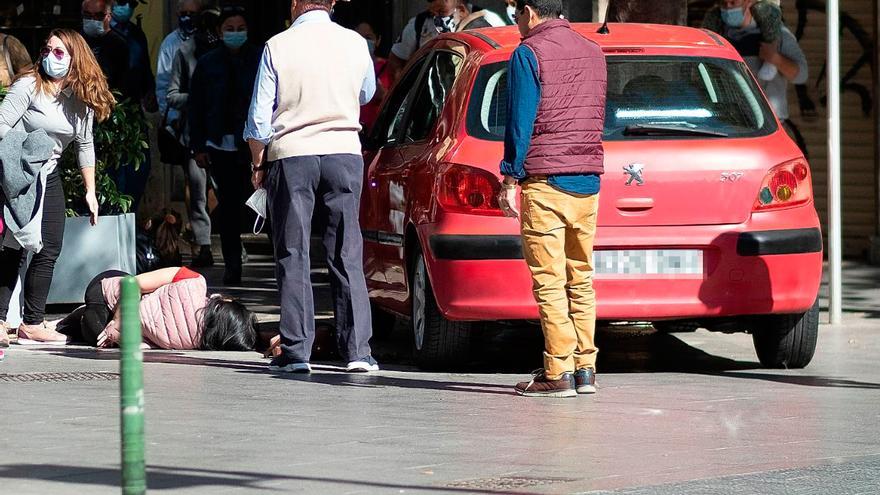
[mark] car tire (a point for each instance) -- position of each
(383, 323)
(787, 341)
(438, 343)
(675, 326)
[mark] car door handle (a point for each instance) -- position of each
(635, 204)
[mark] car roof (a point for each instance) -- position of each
(621, 38)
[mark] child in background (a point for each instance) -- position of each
(766, 14)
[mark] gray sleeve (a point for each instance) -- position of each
(177, 96)
(407, 43)
(790, 49)
(17, 101)
(85, 141)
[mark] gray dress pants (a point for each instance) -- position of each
(328, 187)
(197, 207)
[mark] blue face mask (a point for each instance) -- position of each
(93, 28)
(54, 68)
(234, 39)
(123, 13)
(371, 46)
(733, 17)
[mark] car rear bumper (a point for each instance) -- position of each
(747, 269)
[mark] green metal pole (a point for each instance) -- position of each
(134, 479)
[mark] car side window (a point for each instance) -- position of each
(433, 91)
(390, 123)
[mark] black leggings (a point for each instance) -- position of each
(38, 278)
(89, 320)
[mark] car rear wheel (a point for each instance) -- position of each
(787, 341)
(438, 342)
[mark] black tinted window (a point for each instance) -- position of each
(391, 119)
(433, 91)
(694, 93)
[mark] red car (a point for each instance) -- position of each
(706, 215)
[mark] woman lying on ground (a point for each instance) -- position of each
(176, 313)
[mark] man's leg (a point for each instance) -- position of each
(291, 184)
(340, 190)
(543, 236)
(197, 207)
(226, 169)
(581, 295)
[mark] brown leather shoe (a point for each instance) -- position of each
(541, 386)
(11, 333)
(39, 334)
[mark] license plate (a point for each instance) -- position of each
(648, 262)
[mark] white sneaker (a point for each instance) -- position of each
(767, 72)
(363, 366)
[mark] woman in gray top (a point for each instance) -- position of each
(61, 94)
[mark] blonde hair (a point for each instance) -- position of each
(85, 77)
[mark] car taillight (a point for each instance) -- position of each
(471, 190)
(784, 186)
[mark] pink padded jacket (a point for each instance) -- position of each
(170, 317)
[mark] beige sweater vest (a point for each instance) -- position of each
(320, 68)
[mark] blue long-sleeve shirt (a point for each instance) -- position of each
(523, 98)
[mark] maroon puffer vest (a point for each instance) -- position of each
(571, 115)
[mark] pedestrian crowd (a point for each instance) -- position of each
(286, 122)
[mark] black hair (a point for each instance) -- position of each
(231, 11)
(546, 9)
(227, 325)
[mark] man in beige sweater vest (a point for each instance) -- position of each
(303, 134)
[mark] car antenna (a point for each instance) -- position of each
(604, 28)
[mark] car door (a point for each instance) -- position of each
(405, 153)
(383, 154)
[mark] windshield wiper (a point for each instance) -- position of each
(669, 130)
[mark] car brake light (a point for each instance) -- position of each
(471, 190)
(784, 186)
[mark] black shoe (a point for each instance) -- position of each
(585, 381)
(232, 276)
(541, 386)
(281, 364)
(205, 258)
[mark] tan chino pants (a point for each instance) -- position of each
(557, 235)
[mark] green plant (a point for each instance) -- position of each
(119, 142)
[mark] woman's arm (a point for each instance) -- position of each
(151, 281)
(85, 157)
(16, 103)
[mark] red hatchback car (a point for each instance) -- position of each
(706, 215)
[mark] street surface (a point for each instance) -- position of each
(675, 414)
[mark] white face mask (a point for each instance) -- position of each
(258, 203)
(511, 13)
(55, 68)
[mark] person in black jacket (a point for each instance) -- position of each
(219, 98)
(109, 48)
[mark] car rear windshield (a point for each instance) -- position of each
(650, 97)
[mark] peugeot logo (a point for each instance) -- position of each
(634, 173)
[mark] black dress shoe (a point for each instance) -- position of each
(204, 259)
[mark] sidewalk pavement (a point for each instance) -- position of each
(675, 414)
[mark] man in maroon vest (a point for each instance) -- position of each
(553, 150)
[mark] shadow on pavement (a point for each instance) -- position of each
(172, 478)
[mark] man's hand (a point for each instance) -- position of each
(203, 160)
(769, 53)
(257, 177)
(507, 199)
